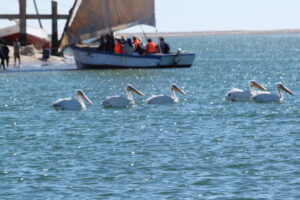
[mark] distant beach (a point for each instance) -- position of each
(34, 62)
(215, 33)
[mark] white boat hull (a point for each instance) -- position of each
(91, 58)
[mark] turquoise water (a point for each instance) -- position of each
(201, 148)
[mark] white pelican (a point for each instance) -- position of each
(72, 103)
(269, 97)
(164, 99)
(121, 101)
(244, 95)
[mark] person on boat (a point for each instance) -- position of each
(119, 46)
(150, 46)
(162, 46)
(110, 43)
(17, 48)
(5, 52)
(128, 47)
(102, 45)
(138, 45)
(123, 39)
(136, 42)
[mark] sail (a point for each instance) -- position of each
(91, 18)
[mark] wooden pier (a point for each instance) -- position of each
(23, 16)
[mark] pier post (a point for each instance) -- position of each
(54, 37)
(22, 4)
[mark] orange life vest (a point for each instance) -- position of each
(136, 43)
(118, 48)
(151, 47)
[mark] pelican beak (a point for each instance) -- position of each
(177, 89)
(86, 98)
(286, 90)
(132, 89)
(255, 84)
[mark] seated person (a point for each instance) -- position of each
(119, 47)
(150, 46)
(139, 46)
(128, 47)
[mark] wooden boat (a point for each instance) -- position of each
(91, 58)
(36, 36)
(93, 18)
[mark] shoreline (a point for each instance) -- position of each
(215, 33)
(35, 62)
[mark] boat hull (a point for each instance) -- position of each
(91, 58)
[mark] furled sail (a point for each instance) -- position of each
(91, 18)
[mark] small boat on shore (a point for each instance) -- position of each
(36, 36)
(93, 18)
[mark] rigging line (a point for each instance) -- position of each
(30, 5)
(146, 37)
(37, 13)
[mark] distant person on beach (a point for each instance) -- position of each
(150, 46)
(46, 51)
(17, 48)
(162, 46)
(5, 51)
(2, 57)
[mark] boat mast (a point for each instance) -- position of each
(108, 14)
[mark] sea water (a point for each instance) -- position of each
(203, 147)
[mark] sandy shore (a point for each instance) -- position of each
(34, 62)
(36, 57)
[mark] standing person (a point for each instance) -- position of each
(5, 51)
(150, 46)
(17, 48)
(2, 57)
(162, 46)
(110, 42)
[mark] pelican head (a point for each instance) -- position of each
(80, 93)
(130, 88)
(177, 89)
(253, 83)
(280, 86)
